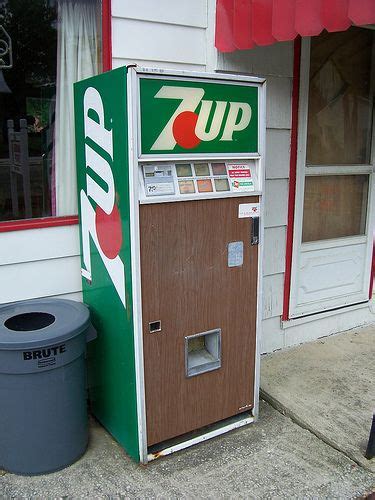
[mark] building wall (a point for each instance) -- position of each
(160, 34)
(40, 263)
(190, 29)
(275, 63)
(180, 35)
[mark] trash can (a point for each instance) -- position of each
(43, 416)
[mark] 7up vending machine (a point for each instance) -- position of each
(170, 185)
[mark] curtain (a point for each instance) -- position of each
(77, 58)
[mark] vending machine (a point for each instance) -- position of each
(170, 184)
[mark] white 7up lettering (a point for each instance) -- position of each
(187, 128)
(103, 224)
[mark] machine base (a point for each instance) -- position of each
(209, 432)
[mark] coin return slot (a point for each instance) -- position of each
(154, 326)
(202, 352)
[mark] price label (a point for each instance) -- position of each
(159, 188)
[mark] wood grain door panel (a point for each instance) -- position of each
(188, 286)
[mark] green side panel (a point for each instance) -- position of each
(111, 358)
(162, 109)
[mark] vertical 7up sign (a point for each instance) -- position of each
(197, 117)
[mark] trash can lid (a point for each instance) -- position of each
(41, 322)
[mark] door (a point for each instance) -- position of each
(192, 283)
(334, 197)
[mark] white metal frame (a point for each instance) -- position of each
(134, 160)
(304, 170)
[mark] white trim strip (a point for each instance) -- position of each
(198, 197)
(205, 77)
(325, 314)
(135, 267)
(199, 439)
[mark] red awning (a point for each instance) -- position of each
(242, 24)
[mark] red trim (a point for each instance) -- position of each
(107, 34)
(292, 176)
(372, 273)
(21, 225)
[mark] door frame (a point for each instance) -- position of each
(301, 170)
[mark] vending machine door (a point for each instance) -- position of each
(199, 273)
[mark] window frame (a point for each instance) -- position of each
(54, 221)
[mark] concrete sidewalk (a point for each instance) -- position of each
(273, 458)
(327, 387)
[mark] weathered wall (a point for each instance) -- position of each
(160, 34)
(180, 35)
(40, 263)
(275, 63)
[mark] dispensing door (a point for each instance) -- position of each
(199, 264)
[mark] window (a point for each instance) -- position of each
(340, 98)
(335, 206)
(339, 134)
(45, 46)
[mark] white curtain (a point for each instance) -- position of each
(77, 58)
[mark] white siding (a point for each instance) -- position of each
(191, 13)
(272, 337)
(39, 263)
(133, 39)
(277, 153)
(164, 34)
(276, 192)
(41, 244)
(274, 250)
(276, 60)
(273, 287)
(40, 278)
(275, 63)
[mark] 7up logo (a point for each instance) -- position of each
(100, 216)
(188, 128)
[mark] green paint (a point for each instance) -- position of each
(112, 383)
(156, 112)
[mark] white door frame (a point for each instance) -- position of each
(296, 308)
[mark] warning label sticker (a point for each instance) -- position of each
(240, 177)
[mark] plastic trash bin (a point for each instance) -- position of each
(43, 416)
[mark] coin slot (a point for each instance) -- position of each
(154, 326)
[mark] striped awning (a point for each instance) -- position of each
(243, 24)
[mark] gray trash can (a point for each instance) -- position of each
(43, 416)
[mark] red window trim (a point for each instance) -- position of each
(292, 176)
(20, 225)
(107, 34)
(372, 273)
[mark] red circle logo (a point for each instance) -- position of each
(184, 130)
(109, 231)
